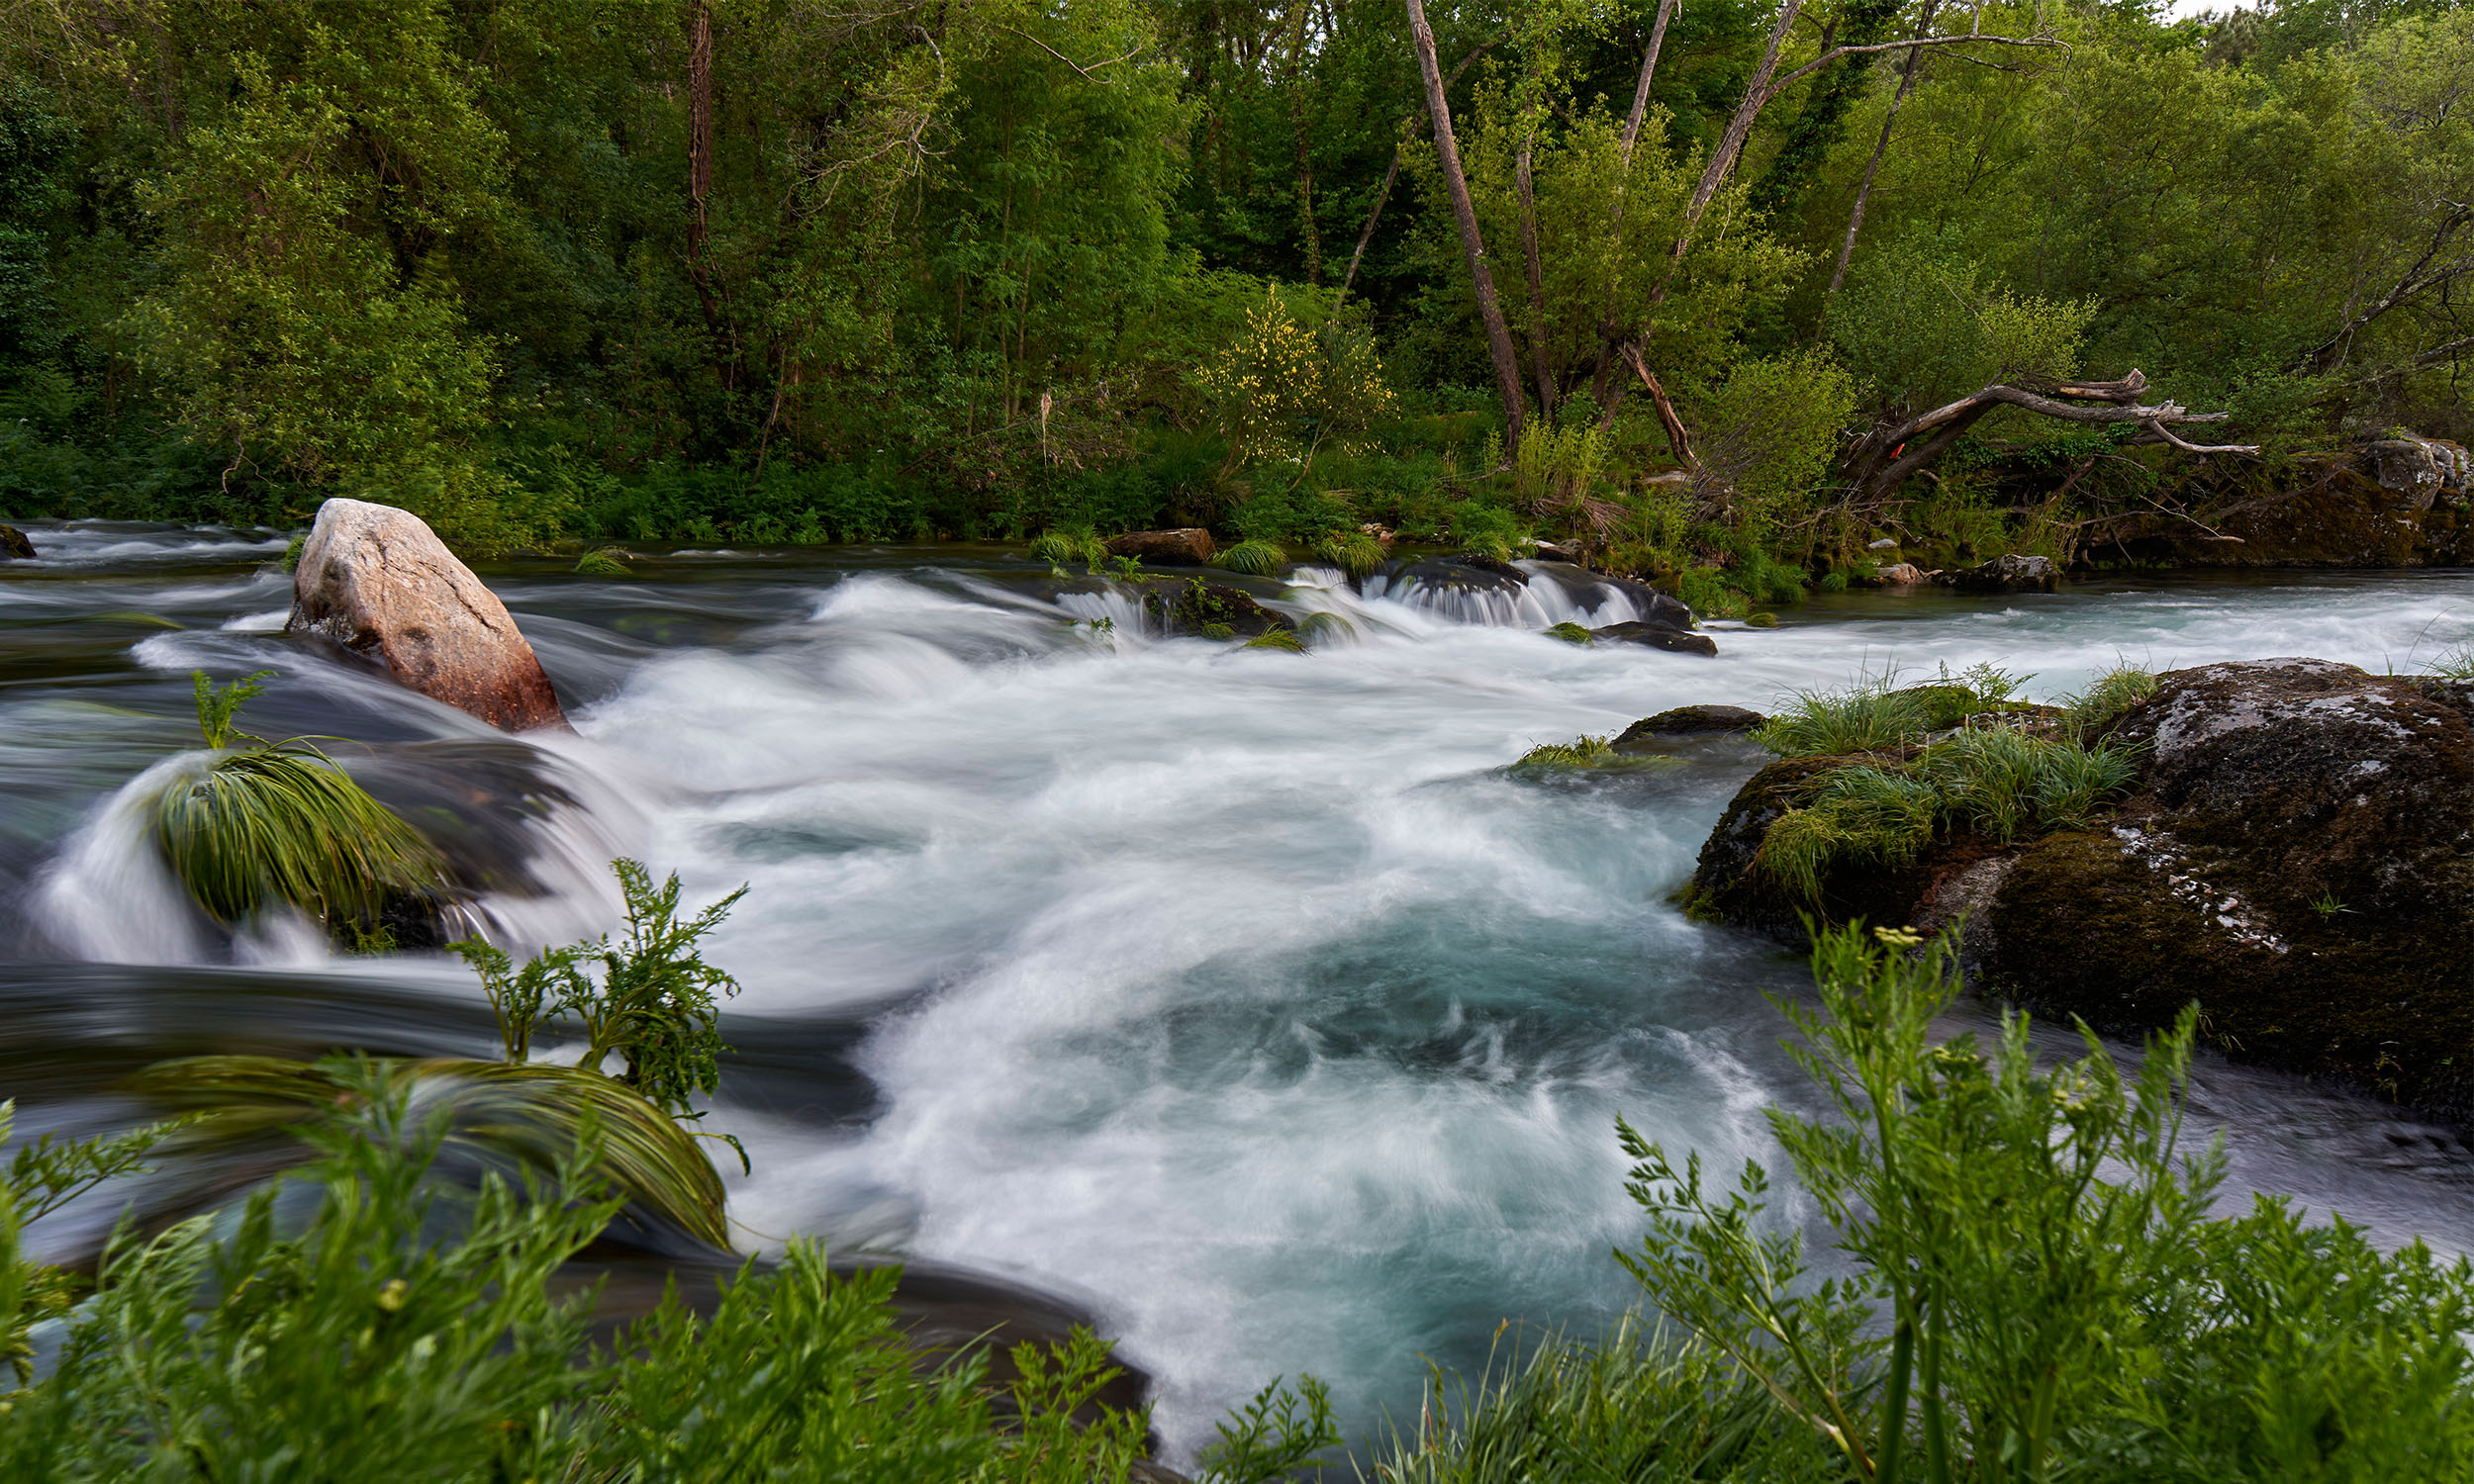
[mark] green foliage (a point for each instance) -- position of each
(1579, 752)
(2039, 1287)
(1867, 717)
(1254, 558)
(217, 704)
(2089, 713)
(1770, 427)
(1569, 633)
(608, 561)
(284, 823)
(654, 1007)
(1921, 321)
(364, 1309)
(1283, 639)
(44, 1176)
(1355, 553)
(1997, 781)
(1638, 1406)
(1275, 1436)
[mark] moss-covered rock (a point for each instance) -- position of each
(2300, 862)
(2297, 856)
(1730, 884)
(1216, 610)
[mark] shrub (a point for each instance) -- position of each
(2036, 1286)
(283, 822)
(653, 1008)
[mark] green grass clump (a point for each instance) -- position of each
(1997, 781)
(604, 562)
(1863, 814)
(1579, 752)
(1285, 639)
(1760, 620)
(1355, 553)
(1832, 582)
(1865, 717)
(1569, 633)
(1254, 558)
(283, 822)
(2088, 713)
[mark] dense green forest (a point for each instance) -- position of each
(1677, 285)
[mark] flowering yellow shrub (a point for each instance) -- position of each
(1282, 388)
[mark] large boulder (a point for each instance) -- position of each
(13, 544)
(1189, 547)
(2300, 860)
(1656, 636)
(2296, 855)
(378, 581)
(1691, 722)
(1213, 610)
(2004, 574)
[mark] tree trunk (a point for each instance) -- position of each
(1524, 184)
(1648, 68)
(1473, 247)
(700, 179)
(1863, 192)
(1713, 175)
(1305, 166)
(1381, 194)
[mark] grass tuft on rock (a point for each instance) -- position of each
(2089, 713)
(1570, 633)
(284, 823)
(1999, 781)
(1253, 558)
(1579, 752)
(606, 560)
(1283, 639)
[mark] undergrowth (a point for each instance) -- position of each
(1959, 753)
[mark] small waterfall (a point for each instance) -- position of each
(531, 830)
(108, 898)
(1554, 592)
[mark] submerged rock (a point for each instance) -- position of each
(13, 544)
(378, 581)
(2296, 855)
(1692, 721)
(2004, 574)
(1187, 547)
(1658, 636)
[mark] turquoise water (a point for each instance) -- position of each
(1240, 994)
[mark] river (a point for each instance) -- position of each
(1240, 994)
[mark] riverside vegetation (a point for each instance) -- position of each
(1717, 292)
(2030, 1282)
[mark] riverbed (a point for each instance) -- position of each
(1243, 997)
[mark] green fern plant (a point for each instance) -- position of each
(654, 1007)
(283, 822)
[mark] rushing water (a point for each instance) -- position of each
(1241, 994)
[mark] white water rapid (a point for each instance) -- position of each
(1239, 993)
